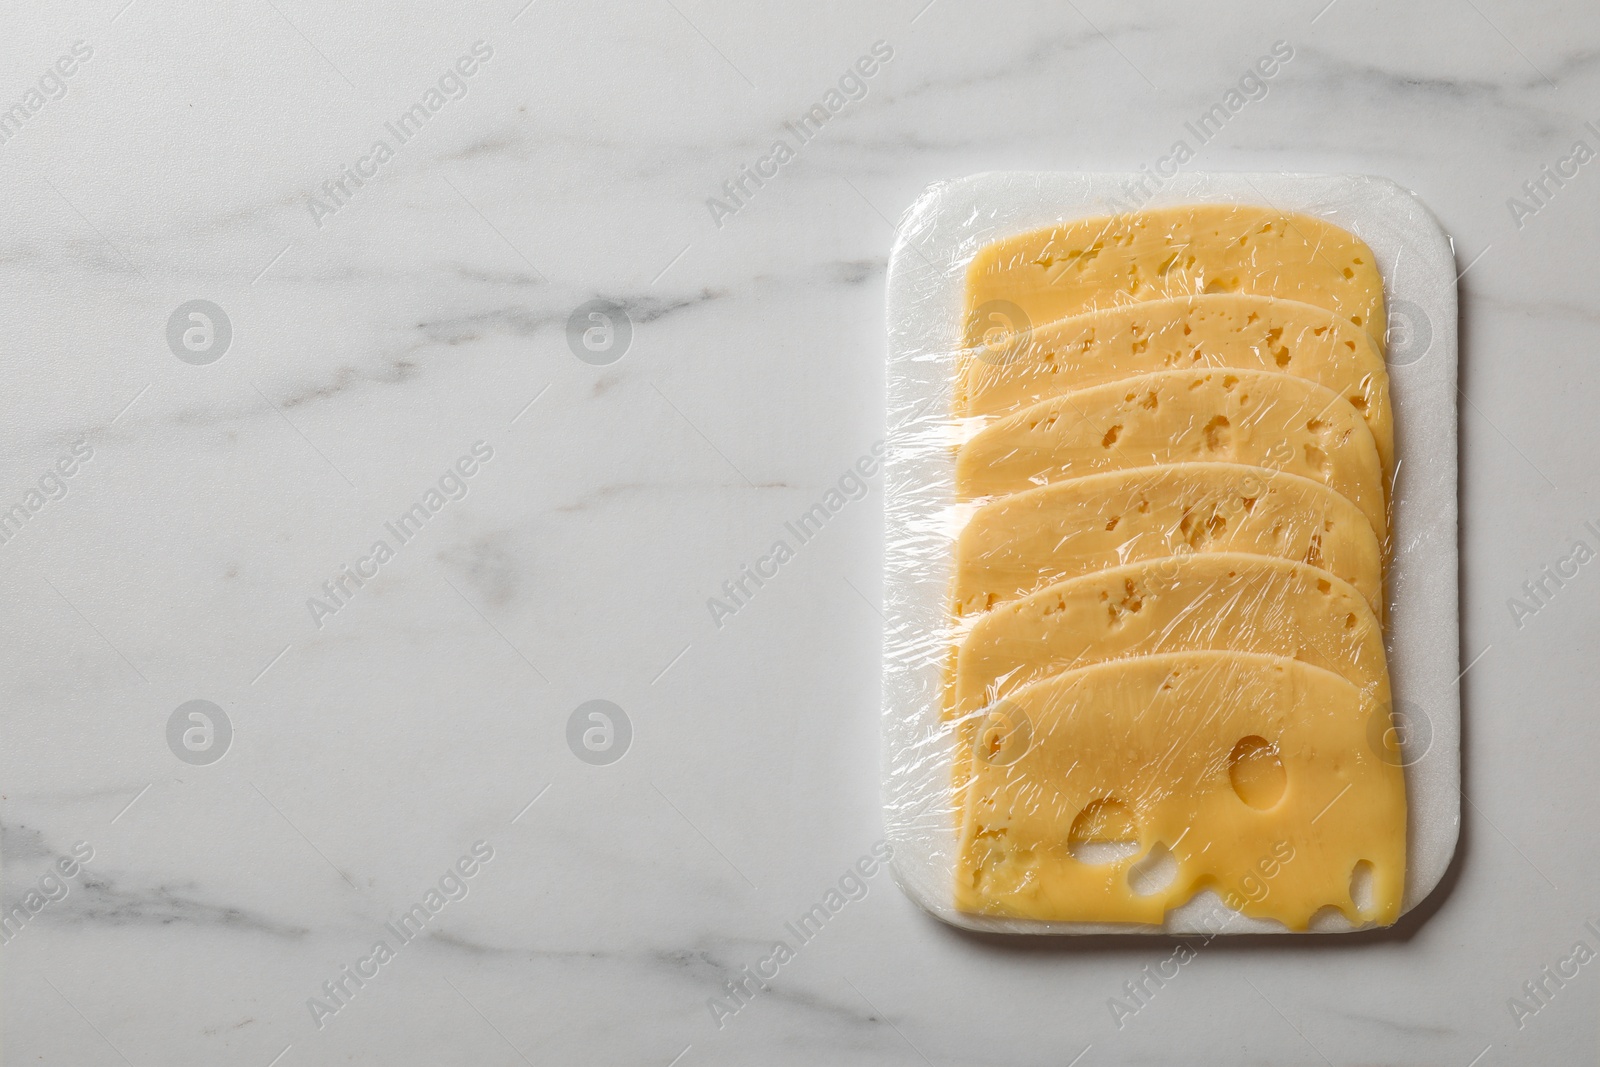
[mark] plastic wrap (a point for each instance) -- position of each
(1170, 592)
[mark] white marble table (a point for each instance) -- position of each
(382, 331)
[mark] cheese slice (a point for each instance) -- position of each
(1250, 417)
(1219, 601)
(1236, 330)
(1097, 263)
(1259, 774)
(1025, 541)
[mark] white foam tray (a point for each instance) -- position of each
(936, 240)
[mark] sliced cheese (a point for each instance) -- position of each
(1251, 417)
(1023, 542)
(1217, 601)
(1258, 773)
(1237, 330)
(1096, 263)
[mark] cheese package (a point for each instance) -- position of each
(1170, 605)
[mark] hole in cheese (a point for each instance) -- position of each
(1314, 550)
(1155, 872)
(1361, 891)
(1103, 832)
(1003, 736)
(1213, 432)
(1257, 773)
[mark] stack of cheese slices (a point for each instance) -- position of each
(1169, 670)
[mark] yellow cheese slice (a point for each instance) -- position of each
(1251, 417)
(1237, 330)
(1259, 774)
(1097, 263)
(1023, 542)
(1215, 601)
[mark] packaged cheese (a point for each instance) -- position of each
(1152, 560)
(1252, 418)
(1188, 250)
(1187, 603)
(1220, 759)
(1023, 541)
(1237, 330)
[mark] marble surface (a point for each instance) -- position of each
(378, 335)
